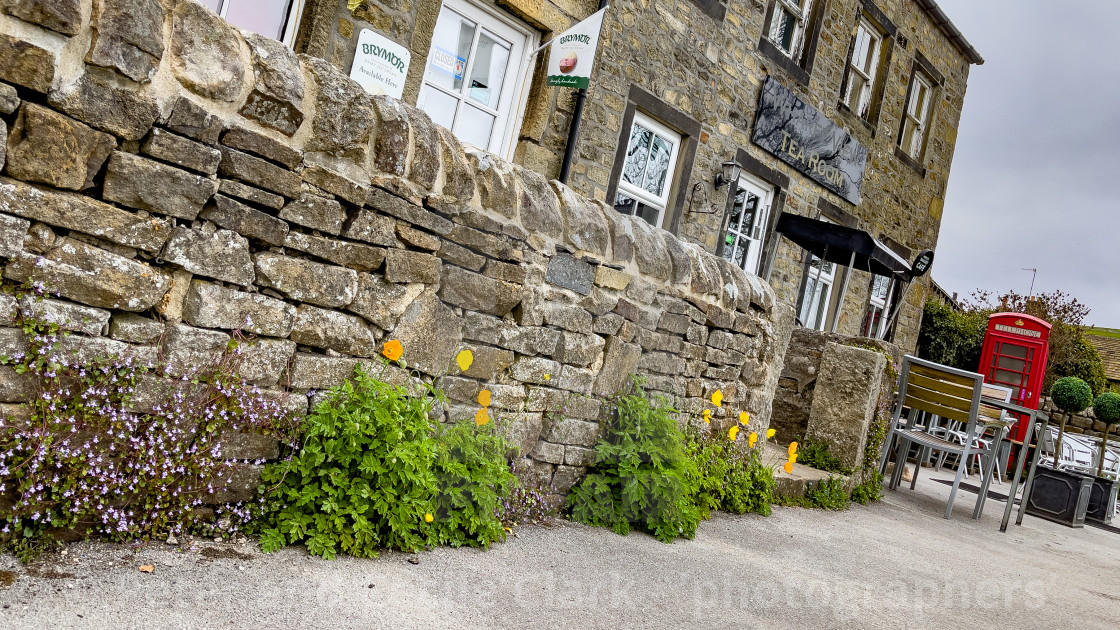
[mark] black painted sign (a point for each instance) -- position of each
(800, 135)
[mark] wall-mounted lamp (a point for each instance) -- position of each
(730, 173)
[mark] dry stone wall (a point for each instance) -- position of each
(174, 180)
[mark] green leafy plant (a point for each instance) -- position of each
(1106, 408)
(1072, 395)
(641, 475)
(472, 478)
(826, 494)
(870, 490)
(726, 476)
(817, 455)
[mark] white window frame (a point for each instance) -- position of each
(659, 202)
(913, 144)
(801, 10)
(817, 296)
(877, 330)
(510, 112)
(861, 105)
(756, 237)
(291, 26)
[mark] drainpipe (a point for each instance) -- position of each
(573, 129)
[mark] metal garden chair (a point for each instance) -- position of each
(950, 394)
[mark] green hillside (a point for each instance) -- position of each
(1104, 332)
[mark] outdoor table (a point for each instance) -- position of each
(1033, 417)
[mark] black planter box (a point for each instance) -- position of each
(1102, 500)
(1060, 496)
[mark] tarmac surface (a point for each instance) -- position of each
(895, 564)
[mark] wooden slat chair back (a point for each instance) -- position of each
(943, 391)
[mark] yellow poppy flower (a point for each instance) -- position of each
(792, 448)
(744, 417)
(733, 432)
(548, 377)
(481, 417)
(484, 398)
(793, 458)
(708, 416)
(770, 433)
(428, 518)
(464, 360)
(717, 398)
(393, 350)
(788, 468)
(752, 439)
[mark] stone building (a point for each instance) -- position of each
(675, 93)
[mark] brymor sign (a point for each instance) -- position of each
(380, 64)
(573, 53)
(800, 135)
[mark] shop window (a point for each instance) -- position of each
(915, 123)
(878, 307)
(863, 69)
(474, 73)
(277, 19)
(747, 224)
(647, 170)
(817, 296)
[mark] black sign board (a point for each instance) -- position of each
(800, 135)
(922, 262)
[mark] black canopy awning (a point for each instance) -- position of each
(837, 244)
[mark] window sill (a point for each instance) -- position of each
(851, 117)
(909, 161)
(775, 55)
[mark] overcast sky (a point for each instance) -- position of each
(1035, 178)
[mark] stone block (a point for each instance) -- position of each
(431, 334)
(480, 241)
(206, 53)
(538, 205)
(13, 232)
(585, 228)
(383, 302)
(572, 432)
(187, 349)
(331, 330)
(578, 456)
(572, 318)
(344, 114)
(388, 203)
(353, 255)
(536, 370)
(127, 37)
(476, 292)
(68, 316)
(230, 188)
(148, 185)
(209, 305)
(548, 452)
(571, 273)
(27, 63)
(315, 371)
(649, 249)
(47, 147)
(276, 100)
(405, 266)
(86, 350)
(246, 221)
(241, 445)
(93, 276)
(261, 145)
(63, 16)
(415, 238)
(579, 349)
(488, 362)
(16, 387)
(236, 482)
(574, 379)
(190, 119)
(258, 172)
(9, 100)
(121, 111)
(460, 256)
(524, 432)
(483, 328)
(133, 328)
(342, 186)
(371, 227)
(530, 340)
(390, 147)
(307, 281)
(845, 399)
(317, 213)
(222, 255)
(609, 278)
(169, 147)
(13, 342)
(264, 360)
(620, 362)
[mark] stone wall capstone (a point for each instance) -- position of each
(174, 180)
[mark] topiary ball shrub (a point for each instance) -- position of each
(1071, 394)
(1107, 408)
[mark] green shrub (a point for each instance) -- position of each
(828, 494)
(951, 337)
(641, 475)
(1071, 394)
(373, 471)
(1106, 408)
(870, 490)
(817, 455)
(725, 476)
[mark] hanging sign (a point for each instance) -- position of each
(380, 64)
(573, 53)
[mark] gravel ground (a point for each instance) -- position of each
(895, 564)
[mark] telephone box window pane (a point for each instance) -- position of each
(1011, 363)
(1013, 350)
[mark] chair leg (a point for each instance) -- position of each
(978, 511)
(957, 480)
(887, 443)
(923, 453)
(902, 448)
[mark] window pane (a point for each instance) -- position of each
(636, 155)
(657, 168)
(650, 214)
(474, 126)
(740, 252)
(451, 47)
(861, 56)
(628, 205)
(266, 17)
(624, 204)
(489, 70)
(737, 211)
(728, 245)
(784, 29)
(439, 105)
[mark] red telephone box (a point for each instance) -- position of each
(1015, 351)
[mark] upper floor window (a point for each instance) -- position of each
(863, 70)
(915, 122)
(747, 224)
(647, 170)
(472, 80)
(277, 19)
(789, 24)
